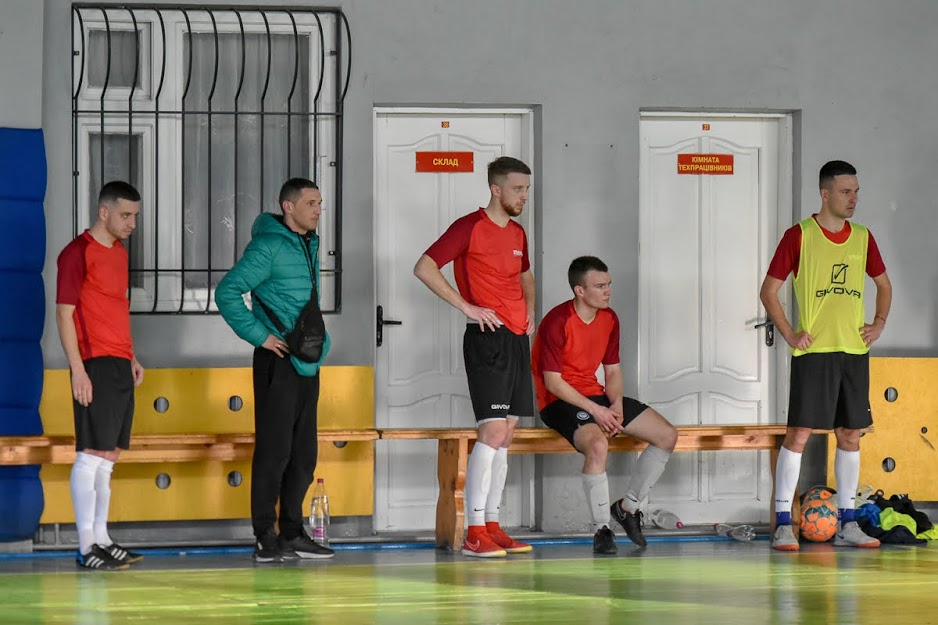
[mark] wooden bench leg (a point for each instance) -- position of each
(452, 458)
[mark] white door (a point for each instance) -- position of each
(711, 192)
(420, 378)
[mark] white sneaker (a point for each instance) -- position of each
(850, 535)
(784, 539)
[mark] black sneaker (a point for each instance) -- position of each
(98, 558)
(267, 548)
(304, 547)
(123, 555)
(631, 523)
(604, 542)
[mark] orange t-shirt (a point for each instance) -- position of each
(566, 344)
(94, 279)
(489, 261)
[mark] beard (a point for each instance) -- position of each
(511, 209)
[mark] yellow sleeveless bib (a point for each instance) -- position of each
(829, 289)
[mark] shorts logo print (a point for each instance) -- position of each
(582, 415)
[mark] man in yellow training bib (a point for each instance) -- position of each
(830, 368)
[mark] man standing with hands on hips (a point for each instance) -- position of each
(495, 290)
(830, 258)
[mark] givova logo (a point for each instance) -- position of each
(838, 276)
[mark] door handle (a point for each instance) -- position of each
(769, 331)
(380, 322)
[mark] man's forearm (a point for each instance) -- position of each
(565, 392)
(775, 312)
(428, 273)
(527, 287)
(68, 336)
(614, 390)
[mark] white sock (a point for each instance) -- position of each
(787, 470)
(102, 497)
(596, 486)
(81, 485)
(847, 474)
(478, 481)
(648, 470)
(499, 474)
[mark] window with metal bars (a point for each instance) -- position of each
(207, 111)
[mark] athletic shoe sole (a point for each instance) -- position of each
(501, 553)
(795, 547)
(305, 555)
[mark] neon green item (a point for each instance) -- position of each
(889, 519)
(829, 288)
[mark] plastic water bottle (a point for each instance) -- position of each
(742, 533)
(666, 520)
(319, 516)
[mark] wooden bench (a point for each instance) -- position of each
(455, 444)
(21, 450)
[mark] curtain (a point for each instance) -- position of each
(122, 159)
(251, 154)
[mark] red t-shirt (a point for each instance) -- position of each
(788, 253)
(94, 279)
(489, 261)
(566, 344)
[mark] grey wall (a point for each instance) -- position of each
(21, 48)
(861, 74)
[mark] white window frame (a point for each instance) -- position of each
(86, 128)
(143, 93)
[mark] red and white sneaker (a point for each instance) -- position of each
(503, 540)
(478, 544)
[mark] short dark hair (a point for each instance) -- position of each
(117, 190)
(292, 189)
(582, 266)
(504, 165)
(832, 169)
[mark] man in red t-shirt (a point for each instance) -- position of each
(93, 316)
(574, 339)
(495, 290)
(829, 258)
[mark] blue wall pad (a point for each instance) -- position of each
(22, 255)
(22, 235)
(21, 372)
(19, 422)
(22, 164)
(22, 502)
(24, 314)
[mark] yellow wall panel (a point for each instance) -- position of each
(198, 403)
(905, 430)
(198, 400)
(200, 490)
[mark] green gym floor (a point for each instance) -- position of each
(691, 581)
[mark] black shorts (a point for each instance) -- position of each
(830, 390)
(105, 423)
(498, 367)
(567, 418)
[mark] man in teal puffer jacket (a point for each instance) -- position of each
(279, 266)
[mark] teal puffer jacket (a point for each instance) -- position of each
(275, 267)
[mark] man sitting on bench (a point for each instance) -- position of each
(572, 341)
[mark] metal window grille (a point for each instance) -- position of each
(207, 111)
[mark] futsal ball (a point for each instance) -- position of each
(818, 515)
